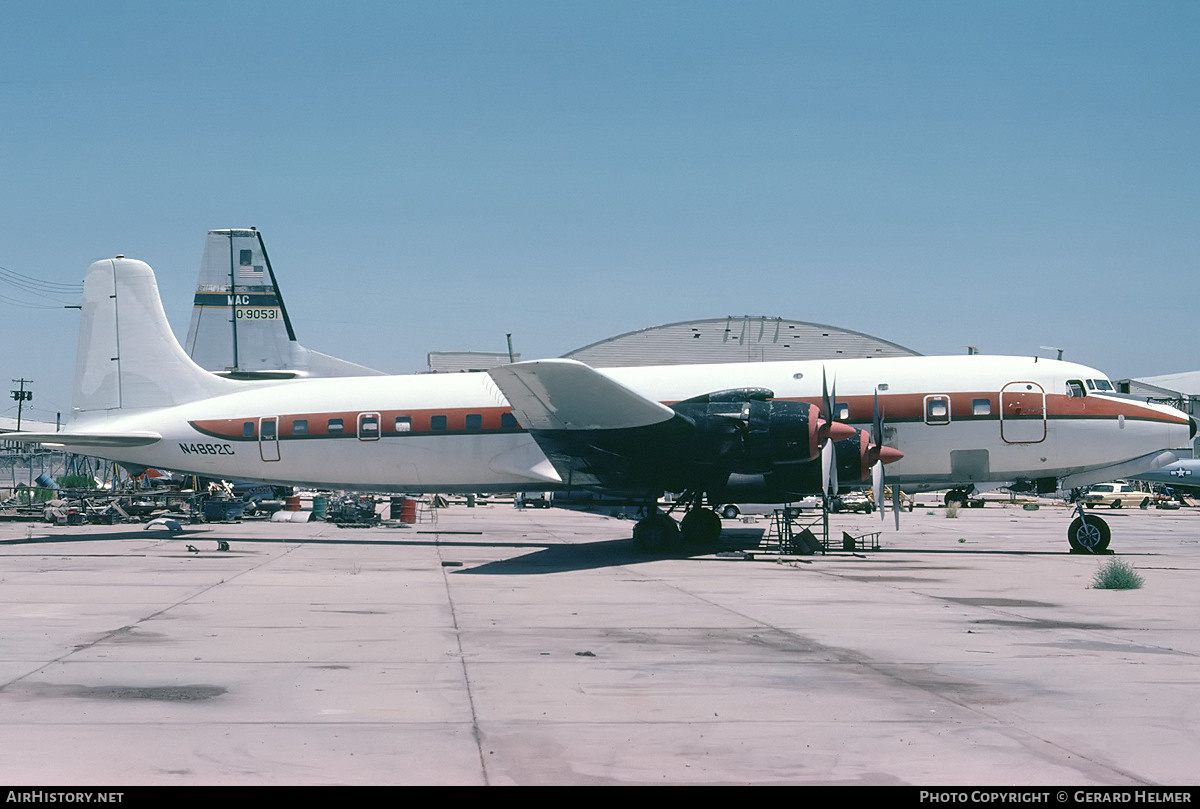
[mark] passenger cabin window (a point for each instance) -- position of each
(981, 407)
(1075, 389)
(368, 426)
(508, 421)
(268, 429)
(937, 409)
(403, 424)
(247, 429)
(334, 426)
(841, 411)
(300, 427)
(474, 421)
(437, 422)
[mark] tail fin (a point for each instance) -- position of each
(128, 357)
(240, 326)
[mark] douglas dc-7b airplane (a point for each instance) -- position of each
(746, 432)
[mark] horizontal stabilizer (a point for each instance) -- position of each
(66, 439)
(568, 395)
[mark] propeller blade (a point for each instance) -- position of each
(877, 486)
(877, 423)
(876, 450)
(826, 402)
(825, 418)
(829, 473)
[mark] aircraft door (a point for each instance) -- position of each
(368, 426)
(1023, 413)
(268, 438)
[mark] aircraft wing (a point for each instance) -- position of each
(596, 432)
(568, 395)
(68, 439)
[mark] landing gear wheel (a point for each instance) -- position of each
(656, 533)
(700, 528)
(730, 512)
(956, 496)
(1089, 537)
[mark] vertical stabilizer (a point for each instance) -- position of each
(240, 326)
(128, 357)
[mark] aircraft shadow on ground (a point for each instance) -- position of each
(542, 558)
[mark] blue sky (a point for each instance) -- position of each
(434, 175)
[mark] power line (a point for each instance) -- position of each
(53, 291)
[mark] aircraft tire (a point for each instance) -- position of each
(656, 533)
(730, 512)
(700, 527)
(1090, 537)
(956, 496)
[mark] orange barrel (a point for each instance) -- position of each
(408, 510)
(291, 504)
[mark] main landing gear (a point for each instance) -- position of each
(962, 497)
(658, 532)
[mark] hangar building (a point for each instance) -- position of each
(734, 339)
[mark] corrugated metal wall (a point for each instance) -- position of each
(734, 339)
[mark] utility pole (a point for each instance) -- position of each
(21, 397)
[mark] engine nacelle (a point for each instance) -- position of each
(745, 431)
(789, 482)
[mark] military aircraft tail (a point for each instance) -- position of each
(240, 327)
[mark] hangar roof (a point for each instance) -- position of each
(744, 338)
(1187, 382)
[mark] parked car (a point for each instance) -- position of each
(852, 501)
(1116, 495)
(731, 511)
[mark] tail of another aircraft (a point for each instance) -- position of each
(240, 327)
(128, 357)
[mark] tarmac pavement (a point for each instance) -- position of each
(535, 647)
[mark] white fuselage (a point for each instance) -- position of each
(968, 419)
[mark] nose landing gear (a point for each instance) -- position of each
(1088, 534)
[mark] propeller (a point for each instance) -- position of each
(877, 466)
(881, 455)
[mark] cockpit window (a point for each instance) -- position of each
(1101, 384)
(1075, 388)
